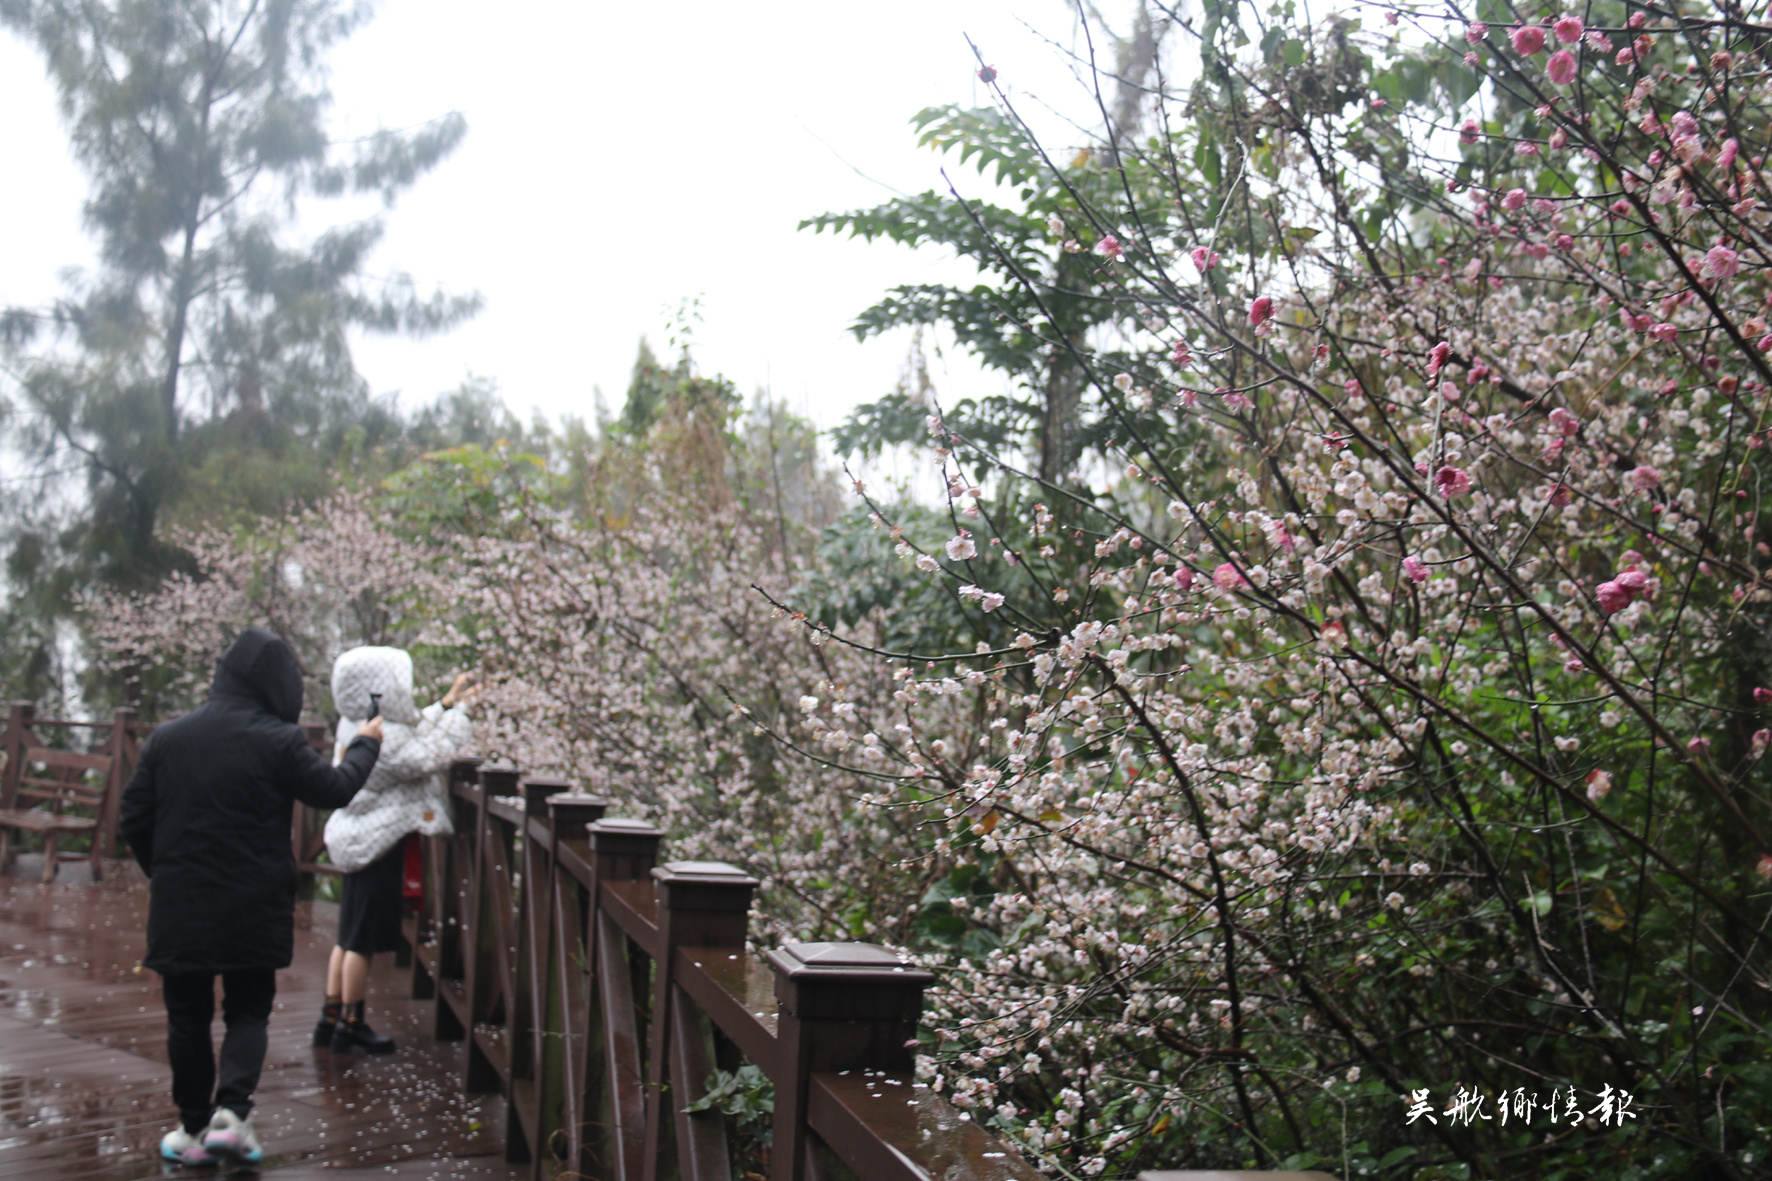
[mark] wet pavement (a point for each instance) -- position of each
(84, 1087)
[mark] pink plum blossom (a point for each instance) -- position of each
(1204, 258)
(1527, 39)
(1476, 32)
(1699, 745)
(1261, 311)
(1568, 29)
(1561, 68)
(1413, 567)
(1514, 201)
(1598, 784)
(1613, 598)
(960, 547)
(1228, 578)
(1468, 131)
(1453, 482)
(1721, 263)
(1109, 248)
(1643, 477)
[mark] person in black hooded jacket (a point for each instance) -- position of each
(207, 814)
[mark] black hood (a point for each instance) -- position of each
(260, 666)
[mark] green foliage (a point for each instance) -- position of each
(470, 489)
(944, 924)
(748, 1097)
(745, 1092)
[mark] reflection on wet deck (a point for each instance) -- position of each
(84, 1088)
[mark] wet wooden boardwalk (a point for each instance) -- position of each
(85, 1090)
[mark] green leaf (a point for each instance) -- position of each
(1292, 52)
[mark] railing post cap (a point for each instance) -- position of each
(500, 779)
(704, 873)
(847, 961)
(623, 826)
(537, 789)
(574, 799)
(705, 886)
(571, 812)
(847, 982)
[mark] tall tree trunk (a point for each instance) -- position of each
(175, 336)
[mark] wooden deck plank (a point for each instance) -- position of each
(84, 1089)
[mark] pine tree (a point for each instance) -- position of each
(206, 359)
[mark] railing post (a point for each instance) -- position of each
(840, 1006)
(527, 1008)
(563, 1018)
(537, 789)
(13, 742)
(484, 927)
(12, 761)
(621, 851)
(104, 838)
(446, 879)
(700, 904)
(574, 814)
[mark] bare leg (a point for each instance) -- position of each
(335, 974)
(354, 973)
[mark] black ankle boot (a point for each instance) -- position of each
(327, 1023)
(352, 1032)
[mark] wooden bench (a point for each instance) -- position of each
(50, 780)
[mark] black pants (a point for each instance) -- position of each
(247, 997)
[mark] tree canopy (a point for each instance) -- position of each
(203, 367)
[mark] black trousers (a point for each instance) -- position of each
(247, 998)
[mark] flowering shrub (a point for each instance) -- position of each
(1391, 721)
(327, 579)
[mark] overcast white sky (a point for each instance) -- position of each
(621, 158)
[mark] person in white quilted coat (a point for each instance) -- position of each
(405, 793)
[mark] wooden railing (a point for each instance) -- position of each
(119, 740)
(597, 990)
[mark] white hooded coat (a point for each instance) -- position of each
(405, 792)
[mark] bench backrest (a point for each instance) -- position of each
(62, 777)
